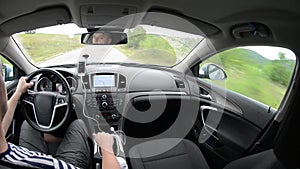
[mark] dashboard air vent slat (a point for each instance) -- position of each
(179, 84)
(122, 81)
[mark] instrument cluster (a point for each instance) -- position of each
(52, 84)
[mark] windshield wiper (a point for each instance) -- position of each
(121, 63)
(63, 65)
(103, 63)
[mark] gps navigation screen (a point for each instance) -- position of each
(104, 80)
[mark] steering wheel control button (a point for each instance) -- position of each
(29, 98)
(60, 101)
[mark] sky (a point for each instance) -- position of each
(67, 29)
(272, 52)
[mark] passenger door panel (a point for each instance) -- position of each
(228, 130)
(231, 129)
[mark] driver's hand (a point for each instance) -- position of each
(23, 86)
(105, 141)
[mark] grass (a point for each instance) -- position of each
(4, 61)
(152, 50)
(157, 57)
(257, 87)
(41, 47)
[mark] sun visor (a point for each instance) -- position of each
(179, 22)
(38, 19)
(99, 15)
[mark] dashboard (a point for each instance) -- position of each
(111, 94)
(109, 88)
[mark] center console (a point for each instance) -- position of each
(105, 93)
(106, 96)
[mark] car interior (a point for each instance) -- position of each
(166, 98)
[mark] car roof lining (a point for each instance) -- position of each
(61, 15)
(218, 29)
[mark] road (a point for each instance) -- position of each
(96, 54)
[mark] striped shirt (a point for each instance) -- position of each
(16, 156)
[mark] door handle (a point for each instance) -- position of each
(209, 129)
(206, 96)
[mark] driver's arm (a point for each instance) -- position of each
(109, 160)
(3, 109)
(14, 155)
(13, 101)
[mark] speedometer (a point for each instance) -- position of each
(44, 84)
(72, 82)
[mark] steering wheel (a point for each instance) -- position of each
(47, 111)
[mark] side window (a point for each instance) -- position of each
(7, 69)
(262, 73)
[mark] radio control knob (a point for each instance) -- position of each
(104, 104)
(104, 96)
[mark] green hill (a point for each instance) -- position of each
(242, 57)
(152, 49)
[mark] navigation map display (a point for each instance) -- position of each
(104, 80)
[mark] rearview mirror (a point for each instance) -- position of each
(212, 71)
(104, 38)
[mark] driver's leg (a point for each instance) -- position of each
(32, 139)
(74, 148)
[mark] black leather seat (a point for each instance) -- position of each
(186, 155)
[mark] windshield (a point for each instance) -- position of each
(60, 45)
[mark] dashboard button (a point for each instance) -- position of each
(104, 96)
(104, 104)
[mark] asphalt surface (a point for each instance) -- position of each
(96, 54)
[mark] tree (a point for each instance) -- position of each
(281, 70)
(137, 35)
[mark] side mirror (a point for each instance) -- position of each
(104, 38)
(7, 72)
(212, 71)
(3, 67)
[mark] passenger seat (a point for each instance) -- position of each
(187, 155)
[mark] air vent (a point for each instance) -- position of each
(179, 84)
(204, 94)
(122, 81)
(203, 91)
